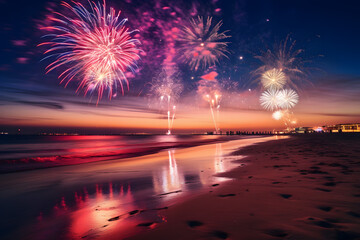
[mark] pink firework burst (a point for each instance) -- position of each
(93, 46)
(202, 44)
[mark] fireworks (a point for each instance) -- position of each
(167, 89)
(202, 45)
(286, 116)
(210, 91)
(281, 69)
(273, 99)
(277, 115)
(285, 58)
(273, 78)
(287, 98)
(269, 99)
(94, 45)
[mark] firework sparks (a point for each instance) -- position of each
(269, 99)
(286, 116)
(277, 115)
(285, 58)
(287, 98)
(273, 78)
(95, 46)
(202, 45)
(167, 89)
(210, 92)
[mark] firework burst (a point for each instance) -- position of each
(286, 58)
(273, 78)
(269, 99)
(201, 45)
(167, 88)
(94, 46)
(277, 115)
(287, 98)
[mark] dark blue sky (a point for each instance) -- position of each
(328, 31)
(325, 28)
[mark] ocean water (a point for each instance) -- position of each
(110, 199)
(19, 153)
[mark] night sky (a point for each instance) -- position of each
(328, 31)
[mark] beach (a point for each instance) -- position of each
(249, 187)
(304, 187)
(51, 197)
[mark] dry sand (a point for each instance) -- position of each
(304, 187)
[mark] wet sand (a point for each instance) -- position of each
(304, 187)
(112, 199)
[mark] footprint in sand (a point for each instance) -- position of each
(286, 196)
(227, 195)
(146, 224)
(215, 233)
(319, 222)
(219, 234)
(323, 189)
(323, 224)
(325, 208)
(329, 184)
(354, 214)
(194, 223)
(276, 233)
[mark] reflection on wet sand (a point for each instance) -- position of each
(120, 198)
(168, 179)
(108, 206)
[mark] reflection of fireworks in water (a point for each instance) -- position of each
(167, 88)
(210, 91)
(273, 78)
(168, 179)
(219, 159)
(95, 44)
(288, 98)
(201, 44)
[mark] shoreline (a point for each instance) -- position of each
(307, 187)
(9, 166)
(61, 198)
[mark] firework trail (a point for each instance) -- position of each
(167, 88)
(201, 44)
(287, 117)
(94, 46)
(211, 92)
(273, 78)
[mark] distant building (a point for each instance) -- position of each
(304, 130)
(348, 127)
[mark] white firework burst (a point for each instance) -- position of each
(269, 99)
(274, 78)
(287, 98)
(277, 115)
